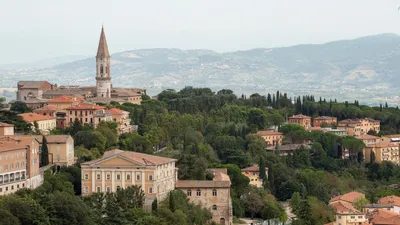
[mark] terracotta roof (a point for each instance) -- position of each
(6, 125)
(343, 207)
(220, 180)
(314, 128)
(140, 158)
(367, 137)
(67, 99)
(253, 168)
(32, 84)
(348, 197)
(390, 200)
(268, 132)
(115, 111)
(85, 106)
(57, 138)
(102, 50)
(300, 116)
(15, 142)
(324, 118)
(10, 146)
(384, 217)
(30, 117)
(125, 92)
(383, 145)
(46, 108)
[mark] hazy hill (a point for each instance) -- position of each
(366, 68)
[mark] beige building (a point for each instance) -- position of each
(87, 114)
(300, 119)
(122, 119)
(6, 129)
(346, 213)
(61, 149)
(211, 194)
(63, 102)
(324, 120)
(45, 123)
(120, 169)
(356, 127)
(271, 137)
(19, 163)
(253, 173)
(384, 151)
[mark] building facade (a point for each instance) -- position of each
(90, 114)
(211, 194)
(253, 173)
(300, 119)
(122, 119)
(271, 138)
(356, 127)
(324, 121)
(45, 123)
(6, 129)
(120, 169)
(61, 150)
(32, 89)
(19, 164)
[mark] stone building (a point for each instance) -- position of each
(324, 120)
(33, 89)
(6, 129)
(356, 127)
(122, 119)
(45, 123)
(300, 119)
(271, 137)
(120, 169)
(211, 194)
(19, 163)
(61, 149)
(87, 114)
(253, 173)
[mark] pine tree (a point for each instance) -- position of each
(386, 105)
(44, 157)
(305, 212)
(380, 107)
(154, 205)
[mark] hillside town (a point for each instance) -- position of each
(69, 126)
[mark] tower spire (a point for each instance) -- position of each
(102, 50)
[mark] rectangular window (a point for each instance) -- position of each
(86, 176)
(76, 113)
(98, 189)
(118, 176)
(70, 112)
(108, 189)
(108, 176)
(138, 177)
(86, 189)
(150, 190)
(150, 177)
(98, 176)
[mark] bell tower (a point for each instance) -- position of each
(103, 76)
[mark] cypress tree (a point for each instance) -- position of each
(44, 157)
(372, 157)
(261, 167)
(171, 202)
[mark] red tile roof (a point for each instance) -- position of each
(299, 116)
(46, 108)
(220, 180)
(367, 137)
(268, 132)
(67, 99)
(384, 217)
(343, 207)
(348, 197)
(324, 118)
(84, 106)
(5, 125)
(140, 158)
(30, 117)
(115, 111)
(253, 168)
(390, 200)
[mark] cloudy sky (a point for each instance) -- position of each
(37, 29)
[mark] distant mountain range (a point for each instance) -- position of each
(366, 68)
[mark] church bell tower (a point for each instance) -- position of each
(103, 76)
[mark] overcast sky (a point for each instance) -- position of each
(36, 29)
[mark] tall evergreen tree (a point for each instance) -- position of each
(171, 202)
(44, 157)
(261, 167)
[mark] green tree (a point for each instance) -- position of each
(20, 107)
(44, 155)
(295, 202)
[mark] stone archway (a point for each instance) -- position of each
(222, 221)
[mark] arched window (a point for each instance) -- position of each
(101, 69)
(107, 69)
(198, 192)
(214, 207)
(214, 192)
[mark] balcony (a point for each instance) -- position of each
(12, 177)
